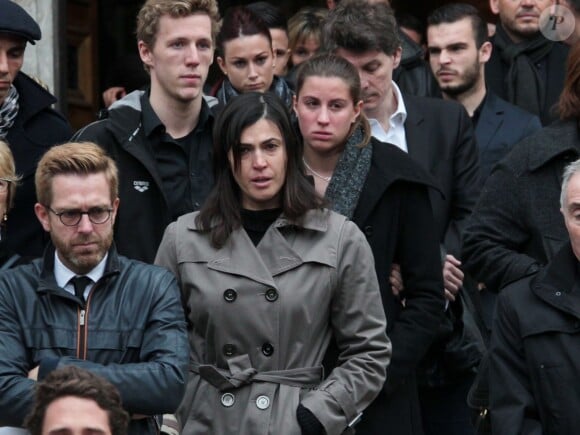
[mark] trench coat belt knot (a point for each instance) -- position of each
(242, 373)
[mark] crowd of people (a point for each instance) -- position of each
(366, 225)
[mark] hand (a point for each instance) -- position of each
(33, 374)
(452, 277)
(113, 94)
(396, 279)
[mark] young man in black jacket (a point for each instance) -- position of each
(161, 139)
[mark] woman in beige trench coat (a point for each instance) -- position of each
(268, 277)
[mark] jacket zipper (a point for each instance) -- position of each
(82, 329)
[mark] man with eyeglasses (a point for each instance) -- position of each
(82, 304)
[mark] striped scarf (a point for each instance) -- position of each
(8, 111)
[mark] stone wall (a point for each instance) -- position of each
(41, 60)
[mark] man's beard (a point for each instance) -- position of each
(469, 79)
(84, 261)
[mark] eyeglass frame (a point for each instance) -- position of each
(81, 213)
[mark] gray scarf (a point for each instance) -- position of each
(524, 86)
(350, 175)
(8, 111)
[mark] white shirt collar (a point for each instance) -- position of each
(400, 115)
(63, 274)
(396, 133)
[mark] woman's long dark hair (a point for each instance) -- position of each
(221, 212)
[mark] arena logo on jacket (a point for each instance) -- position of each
(141, 186)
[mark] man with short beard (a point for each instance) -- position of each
(82, 304)
(525, 68)
(458, 51)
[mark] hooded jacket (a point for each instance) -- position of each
(145, 212)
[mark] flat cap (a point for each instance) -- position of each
(16, 21)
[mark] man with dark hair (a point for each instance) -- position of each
(83, 304)
(74, 401)
(438, 135)
(525, 68)
(161, 138)
(458, 51)
(27, 123)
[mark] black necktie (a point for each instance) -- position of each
(80, 283)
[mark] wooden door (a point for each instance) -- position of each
(82, 61)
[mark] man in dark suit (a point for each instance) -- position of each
(458, 51)
(525, 68)
(436, 133)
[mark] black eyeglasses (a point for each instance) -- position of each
(71, 218)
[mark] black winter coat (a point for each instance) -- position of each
(395, 214)
(516, 227)
(535, 352)
(144, 212)
(36, 128)
(135, 336)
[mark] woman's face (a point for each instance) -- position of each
(304, 50)
(325, 112)
(262, 171)
(281, 50)
(249, 63)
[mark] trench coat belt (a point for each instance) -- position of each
(242, 373)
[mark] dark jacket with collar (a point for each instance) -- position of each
(395, 214)
(135, 335)
(440, 138)
(501, 125)
(496, 71)
(413, 75)
(144, 212)
(517, 226)
(36, 128)
(535, 357)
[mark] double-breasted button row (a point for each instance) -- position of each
(228, 400)
(230, 295)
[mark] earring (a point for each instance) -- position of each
(5, 218)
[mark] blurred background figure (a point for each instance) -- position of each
(304, 33)
(127, 74)
(414, 28)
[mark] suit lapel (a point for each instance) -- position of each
(490, 121)
(417, 134)
(375, 185)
